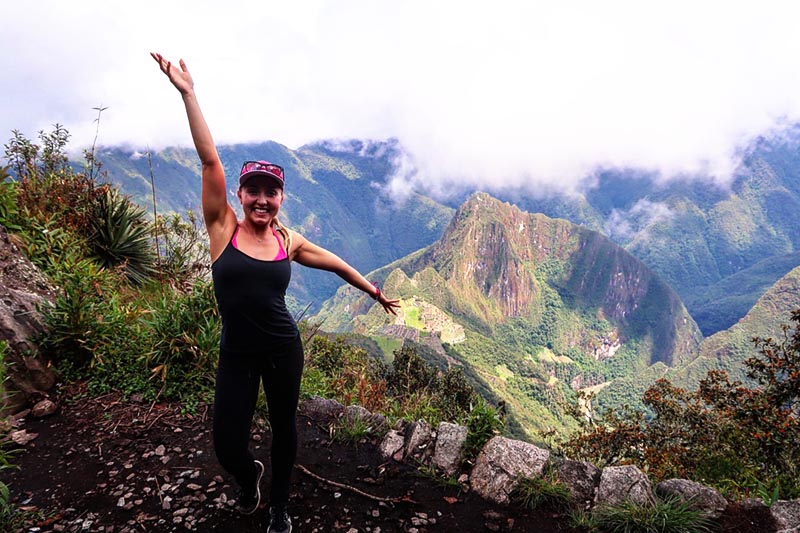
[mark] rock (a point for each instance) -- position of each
(418, 436)
(322, 408)
(703, 498)
(375, 420)
(786, 514)
(43, 408)
(500, 465)
(449, 449)
(22, 437)
(392, 445)
(581, 478)
(23, 288)
(621, 483)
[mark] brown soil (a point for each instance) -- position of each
(104, 464)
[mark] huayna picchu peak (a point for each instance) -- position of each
(546, 307)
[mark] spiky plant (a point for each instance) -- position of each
(120, 236)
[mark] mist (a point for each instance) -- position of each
(512, 95)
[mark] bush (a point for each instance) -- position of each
(185, 331)
(544, 492)
(661, 516)
(737, 438)
(87, 321)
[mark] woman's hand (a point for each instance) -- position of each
(388, 305)
(181, 79)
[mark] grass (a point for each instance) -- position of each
(542, 493)
(663, 516)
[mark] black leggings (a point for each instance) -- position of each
(234, 406)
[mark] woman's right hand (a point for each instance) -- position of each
(181, 79)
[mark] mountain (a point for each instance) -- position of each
(336, 196)
(695, 233)
(726, 350)
(535, 307)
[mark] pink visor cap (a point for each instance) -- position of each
(261, 168)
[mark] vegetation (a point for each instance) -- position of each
(410, 388)
(660, 516)
(743, 440)
(544, 492)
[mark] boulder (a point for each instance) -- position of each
(786, 514)
(376, 421)
(322, 408)
(392, 445)
(581, 478)
(449, 450)
(43, 408)
(705, 499)
(23, 288)
(502, 463)
(418, 440)
(624, 483)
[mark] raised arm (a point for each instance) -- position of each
(309, 254)
(216, 211)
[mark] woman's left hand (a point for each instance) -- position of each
(389, 306)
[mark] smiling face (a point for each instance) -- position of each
(261, 199)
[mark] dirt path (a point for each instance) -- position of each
(106, 465)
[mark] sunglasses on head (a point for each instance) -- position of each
(262, 166)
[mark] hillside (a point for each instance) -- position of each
(536, 307)
(693, 232)
(725, 350)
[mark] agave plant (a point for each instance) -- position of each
(120, 236)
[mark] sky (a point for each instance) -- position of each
(532, 94)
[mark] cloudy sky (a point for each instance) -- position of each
(507, 92)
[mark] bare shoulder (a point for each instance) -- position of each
(220, 232)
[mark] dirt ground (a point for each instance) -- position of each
(108, 465)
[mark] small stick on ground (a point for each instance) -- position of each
(353, 489)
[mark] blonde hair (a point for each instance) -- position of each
(287, 235)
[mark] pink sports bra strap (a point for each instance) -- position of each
(281, 252)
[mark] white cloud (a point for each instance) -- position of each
(515, 93)
(624, 225)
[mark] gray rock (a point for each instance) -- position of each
(23, 289)
(703, 498)
(786, 513)
(374, 420)
(500, 465)
(418, 437)
(449, 449)
(321, 408)
(392, 445)
(581, 478)
(43, 408)
(621, 483)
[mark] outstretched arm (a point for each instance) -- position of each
(309, 254)
(214, 197)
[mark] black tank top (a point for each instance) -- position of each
(251, 295)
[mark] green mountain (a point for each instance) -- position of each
(725, 350)
(535, 307)
(696, 234)
(334, 193)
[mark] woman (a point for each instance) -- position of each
(260, 341)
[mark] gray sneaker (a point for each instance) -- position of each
(279, 521)
(248, 500)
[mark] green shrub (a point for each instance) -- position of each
(87, 320)
(661, 516)
(483, 422)
(185, 331)
(544, 492)
(120, 236)
(182, 249)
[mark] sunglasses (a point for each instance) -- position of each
(262, 166)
